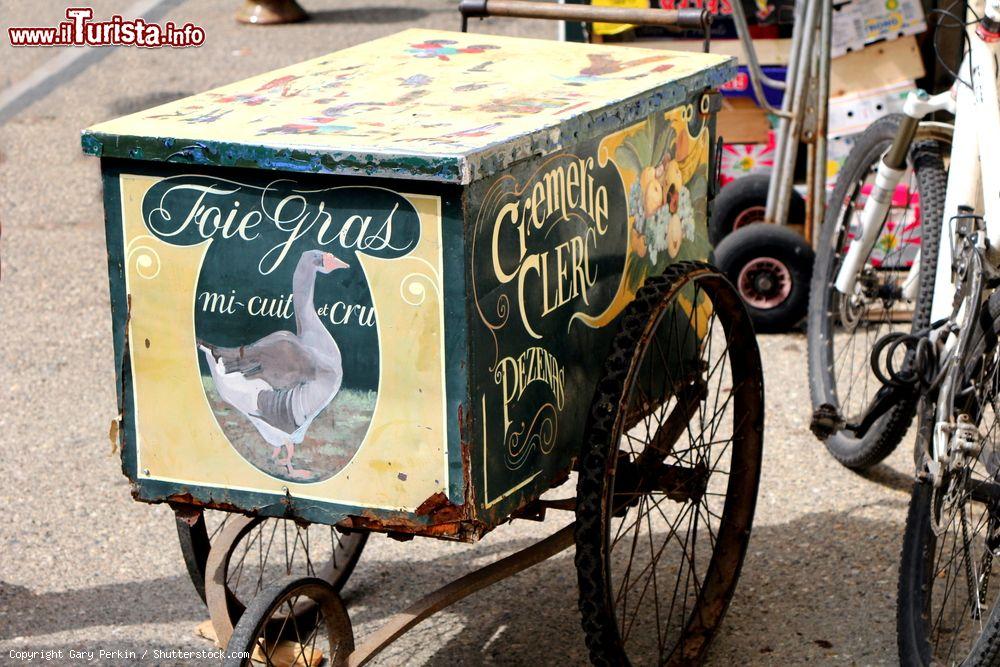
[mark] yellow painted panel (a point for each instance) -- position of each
(402, 459)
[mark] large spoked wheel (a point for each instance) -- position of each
(949, 594)
(842, 330)
(669, 471)
(249, 553)
(273, 631)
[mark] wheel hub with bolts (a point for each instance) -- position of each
(764, 282)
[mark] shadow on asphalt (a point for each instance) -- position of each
(161, 600)
(827, 580)
(818, 587)
(889, 477)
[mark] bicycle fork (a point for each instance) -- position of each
(890, 172)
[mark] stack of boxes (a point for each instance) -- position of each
(875, 63)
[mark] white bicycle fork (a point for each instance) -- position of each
(918, 105)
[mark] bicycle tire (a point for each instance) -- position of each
(916, 570)
(931, 179)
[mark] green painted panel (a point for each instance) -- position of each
(327, 346)
(558, 247)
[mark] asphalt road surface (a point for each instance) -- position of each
(84, 567)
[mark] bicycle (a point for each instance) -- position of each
(948, 612)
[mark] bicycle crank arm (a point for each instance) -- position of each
(827, 420)
(886, 399)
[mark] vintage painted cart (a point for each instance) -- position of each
(399, 289)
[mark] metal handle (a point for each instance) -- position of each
(688, 19)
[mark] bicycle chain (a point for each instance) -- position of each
(969, 579)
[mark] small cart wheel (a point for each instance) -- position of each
(271, 631)
(248, 553)
(196, 538)
(742, 202)
(771, 267)
(669, 471)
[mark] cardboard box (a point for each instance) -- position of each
(876, 66)
(862, 22)
(738, 160)
(854, 112)
(741, 85)
(741, 121)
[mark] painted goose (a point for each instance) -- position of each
(282, 381)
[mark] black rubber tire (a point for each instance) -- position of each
(747, 193)
(919, 542)
(931, 178)
(762, 240)
(597, 469)
(257, 621)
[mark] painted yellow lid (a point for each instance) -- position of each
(424, 104)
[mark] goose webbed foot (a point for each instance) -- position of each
(290, 451)
(295, 473)
(287, 462)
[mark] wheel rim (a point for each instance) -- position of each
(765, 283)
(272, 634)
(748, 216)
(666, 603)
(249, 553)
(876, 307)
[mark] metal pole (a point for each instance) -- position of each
(822, 108)
(458, 589)
(782, 179)
(695, 19)
(757, 77)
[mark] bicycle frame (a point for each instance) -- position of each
(976, 137)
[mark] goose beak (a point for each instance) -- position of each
(331, 263)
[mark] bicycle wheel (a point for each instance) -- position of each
(948, 602)
(842, 331)
(669, 471)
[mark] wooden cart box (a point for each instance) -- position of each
(376, 288)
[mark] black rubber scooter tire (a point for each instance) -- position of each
(759, 240)
(744, 193)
